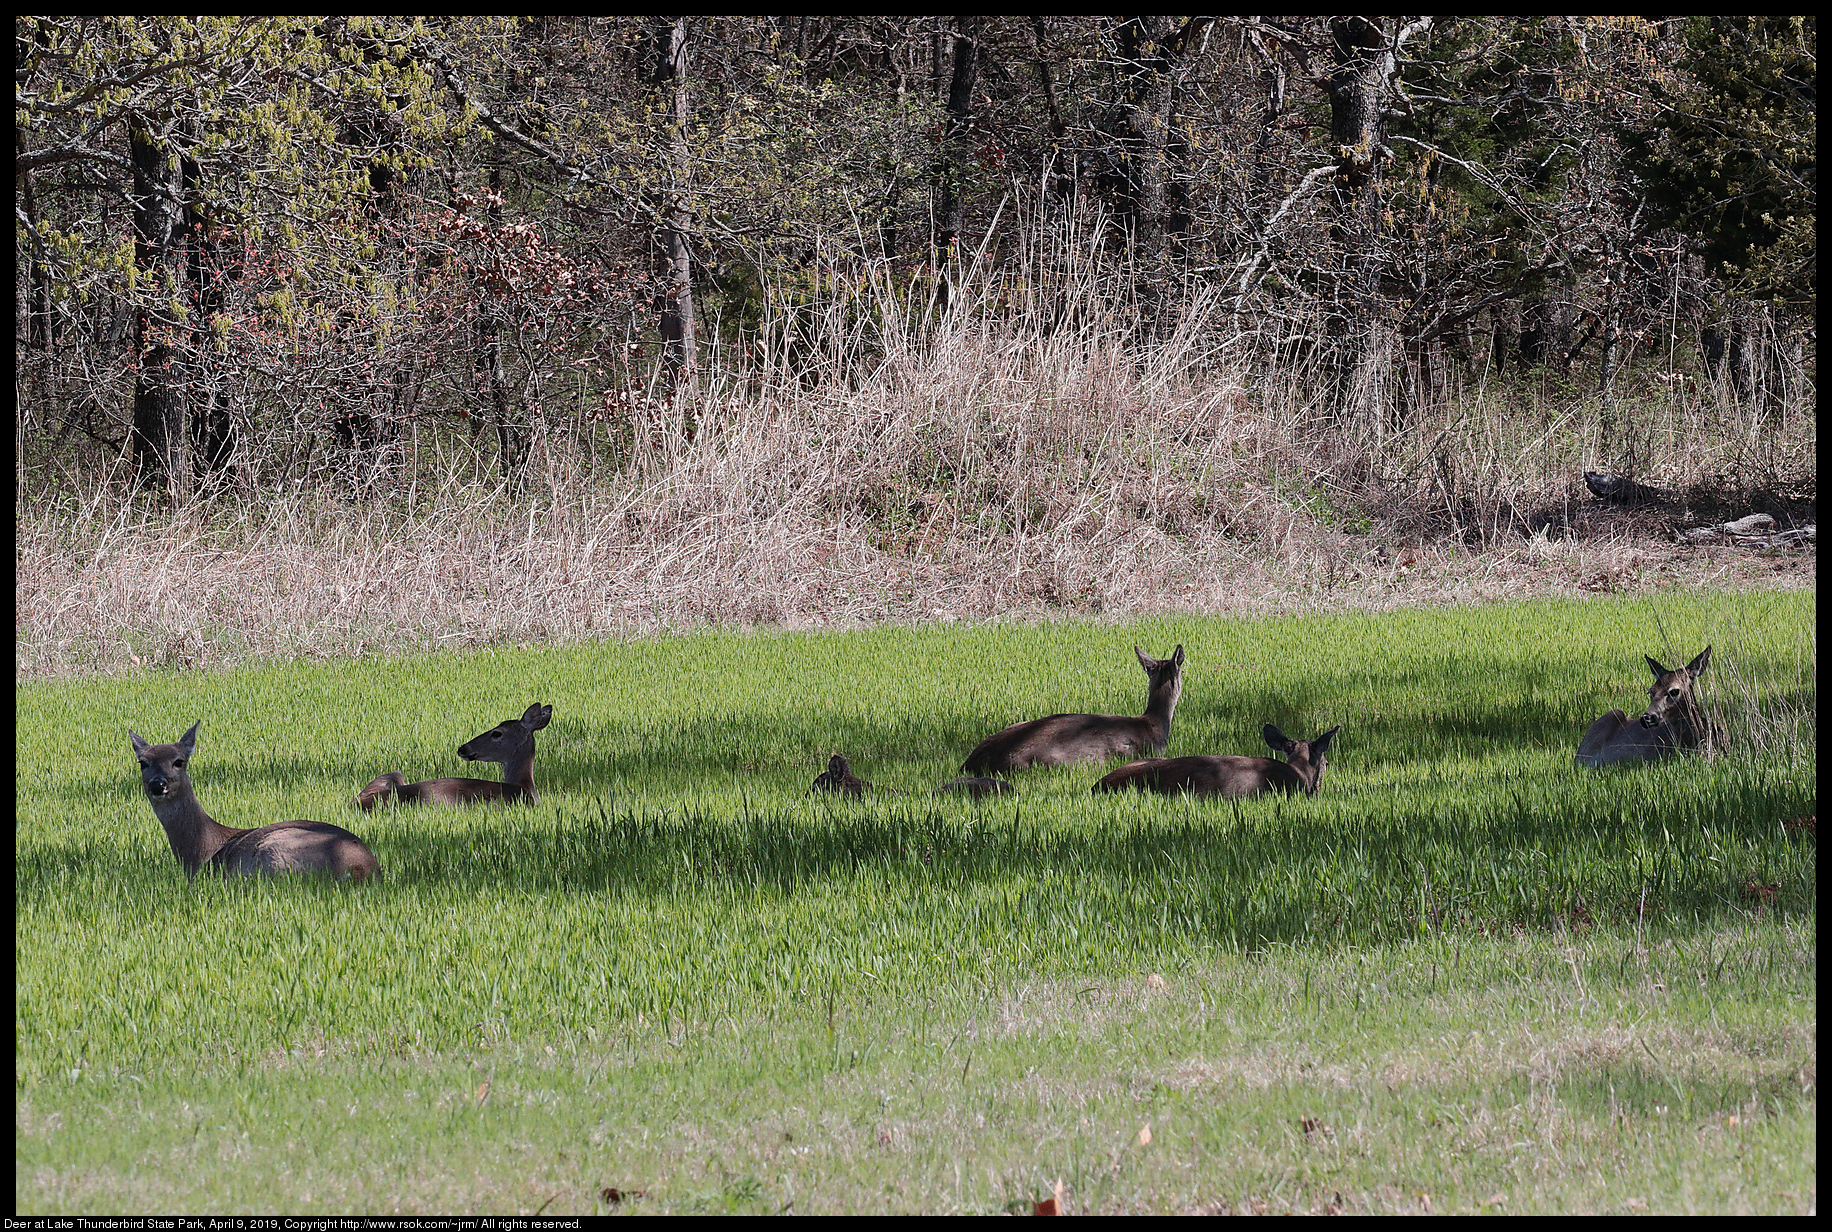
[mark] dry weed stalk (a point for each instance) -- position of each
(869, 463)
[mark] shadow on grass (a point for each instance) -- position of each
(1134, 875)
(1361, 868)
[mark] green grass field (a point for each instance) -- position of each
(1463, 977)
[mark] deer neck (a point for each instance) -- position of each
(1159, 708)
(194, 835)
(518, 772)
(1307, 776)
(1689, 723)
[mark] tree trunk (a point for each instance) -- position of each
(674, 300)
(950, 204)
(511, 435)
(161, 396)
(370, 430)
(213, 413)
(40, 329)
(1061, 181)
(1361, 63)
(1136, 127)
(1365, 60)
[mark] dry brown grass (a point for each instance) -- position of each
(990, 472)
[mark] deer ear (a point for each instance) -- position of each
(1276, 738)
(536, 716)
(1697, 667)
(188, 741)
(1145, 660)
(1177, 658)
(140, 746)
(1320, 745)
(1654, 666)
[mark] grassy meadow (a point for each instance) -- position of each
(1463, 977)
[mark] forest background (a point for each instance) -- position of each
(357, 334)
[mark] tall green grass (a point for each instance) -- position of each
(676, 865)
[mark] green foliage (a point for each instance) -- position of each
(1731, 159)
(252, 103)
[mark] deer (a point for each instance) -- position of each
(839, 778)
(201, 842)
(510, 742)
(1070, 739)
(1232, 778)
(1673, 721)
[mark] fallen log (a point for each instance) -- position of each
(1757, 530)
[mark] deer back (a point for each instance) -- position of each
(1229, 777)
(297, 847)
(393, 786)
(1072, 739)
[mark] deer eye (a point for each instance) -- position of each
(179, 762)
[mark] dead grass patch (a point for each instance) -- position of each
(983, 472)
(163, 592)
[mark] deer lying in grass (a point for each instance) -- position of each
(200, 842)
(840, 778)
(1673, 721)
(1068, 739)
(510, 742)
(1231, 777)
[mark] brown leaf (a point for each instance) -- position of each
(610, 1195)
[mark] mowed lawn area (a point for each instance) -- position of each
(1465, 976)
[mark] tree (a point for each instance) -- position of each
(1730, 157)
(668, 39)
(1727, 158)
(164, 120)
